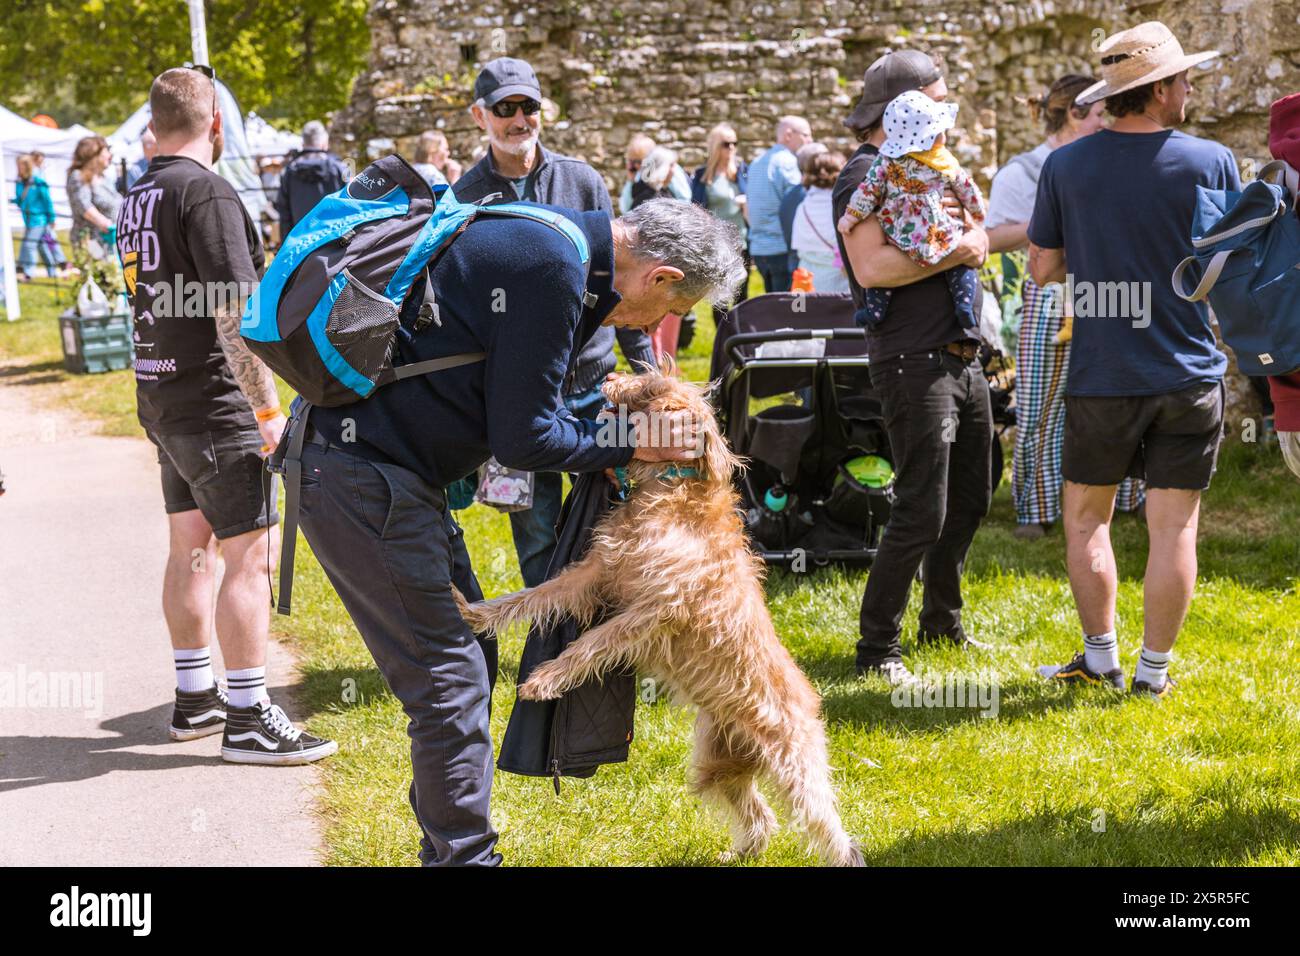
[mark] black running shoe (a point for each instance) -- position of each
(1141, 688)
(198, 713)
(263, 734)
(1078, 672)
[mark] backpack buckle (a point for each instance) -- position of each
(428, 314)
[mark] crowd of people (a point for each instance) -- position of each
(1115, 412)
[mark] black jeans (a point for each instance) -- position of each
(940, 425)
(380, 533)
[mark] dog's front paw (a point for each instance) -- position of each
(544, 684)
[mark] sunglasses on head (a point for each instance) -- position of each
(211, 74)
(505, 109)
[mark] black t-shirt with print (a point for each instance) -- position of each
(186, 244)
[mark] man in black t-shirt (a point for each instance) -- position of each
(934, 397)
(190, 257)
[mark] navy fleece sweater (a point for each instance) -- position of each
(512, 288)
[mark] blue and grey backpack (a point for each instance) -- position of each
(1247, 254)
(348, 282)
(327, 314)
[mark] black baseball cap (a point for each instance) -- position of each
(892, 74)
(506, 76)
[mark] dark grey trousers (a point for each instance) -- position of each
(380, 533)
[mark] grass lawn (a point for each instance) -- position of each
(1210, 776)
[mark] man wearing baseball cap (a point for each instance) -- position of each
(508, 107)
(933, 395)
(1144, 396)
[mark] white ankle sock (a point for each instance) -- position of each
(246, 686)
(1101, 652)
(193, 669)
(1153, 667)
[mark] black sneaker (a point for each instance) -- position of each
(1141, 688)
(1078, 672)
(957, 638)
(198, 713)
(263, 734)
(894, 672)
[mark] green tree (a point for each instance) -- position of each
(91, 61)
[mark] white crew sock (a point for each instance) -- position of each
(247, 686)
(1153, 667)
(193, 669)
(1101, 652)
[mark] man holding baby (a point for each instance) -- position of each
(923, 347)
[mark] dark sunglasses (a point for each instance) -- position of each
(633, 165)
(731, 144)
(506, 109)
(211, 74)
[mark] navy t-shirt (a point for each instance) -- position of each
(1121, 205)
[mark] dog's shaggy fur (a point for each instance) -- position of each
(683, 592)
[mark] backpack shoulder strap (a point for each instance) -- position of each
(1286, 176)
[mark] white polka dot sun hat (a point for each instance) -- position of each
(911, 122)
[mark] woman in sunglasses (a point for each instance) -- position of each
(719, 186)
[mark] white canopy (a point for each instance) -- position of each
(18, 136)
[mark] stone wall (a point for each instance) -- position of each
(673, 68)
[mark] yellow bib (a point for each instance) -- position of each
(939, 158)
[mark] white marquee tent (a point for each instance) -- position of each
(18, 136)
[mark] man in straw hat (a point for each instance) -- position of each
(1144, 395)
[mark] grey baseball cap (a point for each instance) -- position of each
(892, 74)
(506, 76)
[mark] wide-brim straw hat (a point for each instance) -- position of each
(1137, 56)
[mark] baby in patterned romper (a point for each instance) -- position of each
(904, 189)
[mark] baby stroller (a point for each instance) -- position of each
(795, 399)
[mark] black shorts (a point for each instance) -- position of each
(1171, 440)
(222, 474)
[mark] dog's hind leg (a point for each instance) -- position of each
(801, 773)
(723, 772)
(574, 591)
(607, 645)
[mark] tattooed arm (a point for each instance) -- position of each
(254, 378)
(223, 240)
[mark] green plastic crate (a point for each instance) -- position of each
(100, 344)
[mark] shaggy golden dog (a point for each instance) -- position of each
(683, 593)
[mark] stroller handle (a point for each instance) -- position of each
(734, 342)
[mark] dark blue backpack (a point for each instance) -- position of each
(1247, 253)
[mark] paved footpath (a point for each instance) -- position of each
(87, 773)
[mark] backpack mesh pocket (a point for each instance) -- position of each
(361, 325)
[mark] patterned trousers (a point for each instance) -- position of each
(1041, 369)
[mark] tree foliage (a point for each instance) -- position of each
(91, 61)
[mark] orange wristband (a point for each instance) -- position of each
(266, 414)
